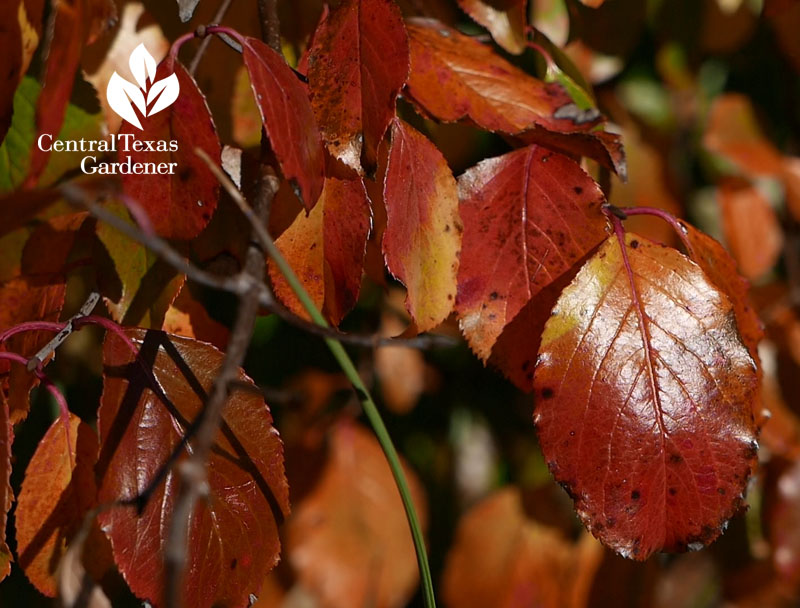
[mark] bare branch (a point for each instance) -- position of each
(85, 310)
(218, 17)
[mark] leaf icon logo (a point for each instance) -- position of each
(123, 95)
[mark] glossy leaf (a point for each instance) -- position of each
(179, 205)
(528, 217)
(422, 239)
(644, 400)
(348, 539)
(58, 489)
(144, 286)
(358, 62)
(6, 494)
(73, 24)
(18, 40)
(233, 536)
(288, 119)
(505, 20)
(326, 250)
(455, 77)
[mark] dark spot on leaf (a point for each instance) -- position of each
(578, 190)
(721, 491)
(493, 295)
(185, 174)
(526, 364)
(634, 244)
(547, 393)
(673, 491)
(675, 458)
(447, 228)
(635, 495)
(233, 563)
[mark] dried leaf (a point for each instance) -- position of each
(233, 535)
(181, 204)
(358, 62)
(644, 394)
(529, 216)
(505, 20)
(288, 119)
(58, 489)
(422, 239)
(326, 250)
(348, 539)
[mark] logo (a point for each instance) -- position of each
(123, 95)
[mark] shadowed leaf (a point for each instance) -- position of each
(505, 20)
(233, 536)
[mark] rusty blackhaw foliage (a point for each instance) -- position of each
(423, 230)
(288, 119)
(643, 400)
(233, 538)
(356, 66)
(528, 216)
(179, 205)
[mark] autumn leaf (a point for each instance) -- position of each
(521, 561)
(751, 226)
(58, 489)
(528, 215)
(326, 250)
(18, 41)
(423, 230)
(455, 77)
(358, 62)
(505, 20)
(181, 204)
(348, 539)
(288, 119)
(73, 25)
(187, 317)
(233, 536)
(643, 393)
(141, 287)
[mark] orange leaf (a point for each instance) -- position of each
(423, 230)
(326, 250)
(348, 539)
(58, 489)
(644, 394)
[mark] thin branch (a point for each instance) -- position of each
(349, 369)
(270, 25)
(218, 17)
(49, 348)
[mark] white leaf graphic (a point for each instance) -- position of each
(142, 65)
(120, 93)
(170, 88)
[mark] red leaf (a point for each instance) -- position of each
(349, 539)
(358, 63)
(22, 21)
(6, 495)
(528, 217)
(326, 250)
(423, 229)
(233, 538)
(644, 394)
(58, 489)
(179, 205)
(287, 117)
(455, 77)
(505, 20)
(74, 24)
